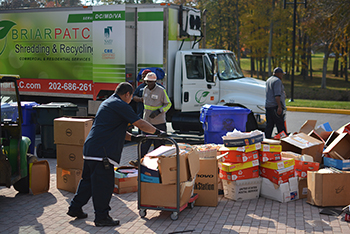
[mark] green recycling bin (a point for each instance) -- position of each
(46, 113)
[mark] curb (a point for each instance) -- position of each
(318, 110)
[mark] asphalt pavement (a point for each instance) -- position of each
(46, 213)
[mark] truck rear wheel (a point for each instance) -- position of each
(251, 124)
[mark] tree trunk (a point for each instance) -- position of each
(237, 35)
(341, 64)
(346, 59)
(324, 67)
(303, 59)
(310, 59)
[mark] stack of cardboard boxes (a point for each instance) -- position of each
(159, 176)
(69, 136)
(239, 167)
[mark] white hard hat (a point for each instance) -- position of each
(151, 76)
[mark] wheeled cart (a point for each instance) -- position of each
(174, 209)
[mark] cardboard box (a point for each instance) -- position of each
(70, 156)
(149, 179)
(206, 183)
(344, 129)
(328, 189)
(207, 154)
(339, 164)
(237, 156)
(303, 144)
(285, 192)
(340, 147)
(269, 156)
(308, 126)
(189, 167)
(229, 167)
(331, 137)
(252, 172)
(242, 189)
(277, 176)
(39, 177)
(270, 148)
(68, 179)
(279, 164)
(234, 142)
(71, 130)
(247, 148)
(301, 167)
(125, 185)
(164, 195)
(302, 184)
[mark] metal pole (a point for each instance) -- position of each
(293, 52)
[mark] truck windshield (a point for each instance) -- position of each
(228, 67)
(9, 107)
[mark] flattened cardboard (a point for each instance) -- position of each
(68, 179)
(328, 189)
(249, 173)
(164, 195)
(242, 189)
(340, 145)
(206, 183)
(70, 156)
(71, 130)
(39, 177)
(303, 144)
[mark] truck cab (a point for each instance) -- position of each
(207, 76)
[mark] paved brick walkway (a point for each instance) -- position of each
(46, 213)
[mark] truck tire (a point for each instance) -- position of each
(251, 124)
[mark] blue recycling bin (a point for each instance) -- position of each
(29, 123)
(218, 120)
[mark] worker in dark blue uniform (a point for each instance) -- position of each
(102, 151)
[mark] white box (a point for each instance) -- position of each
(242, 189)
(283, 193)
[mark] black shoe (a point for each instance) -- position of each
(134, 163)
(107, 222)
(79, 214)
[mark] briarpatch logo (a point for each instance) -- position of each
(5, 27)
(201, 96)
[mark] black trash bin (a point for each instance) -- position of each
(46, 113)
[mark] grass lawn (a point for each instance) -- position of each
(308, 92)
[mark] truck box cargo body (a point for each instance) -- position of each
(84, 53)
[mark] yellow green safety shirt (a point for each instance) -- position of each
(154, 99)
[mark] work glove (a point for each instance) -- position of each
(137, 138)
(154, 113)
(161, 133)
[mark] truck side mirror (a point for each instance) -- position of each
(214, 67)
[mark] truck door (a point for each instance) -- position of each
(198, 88)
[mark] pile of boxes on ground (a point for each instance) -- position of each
(288, 169)
(246, 166)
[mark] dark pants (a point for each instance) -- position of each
(156, 143)
(98, 183)
(273, 119)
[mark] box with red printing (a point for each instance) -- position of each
(229, 167)
(302, 167)
(277, 176)
(237, 156)
(269, 156)
(248, 173)
(270, 148)
(279, 164)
